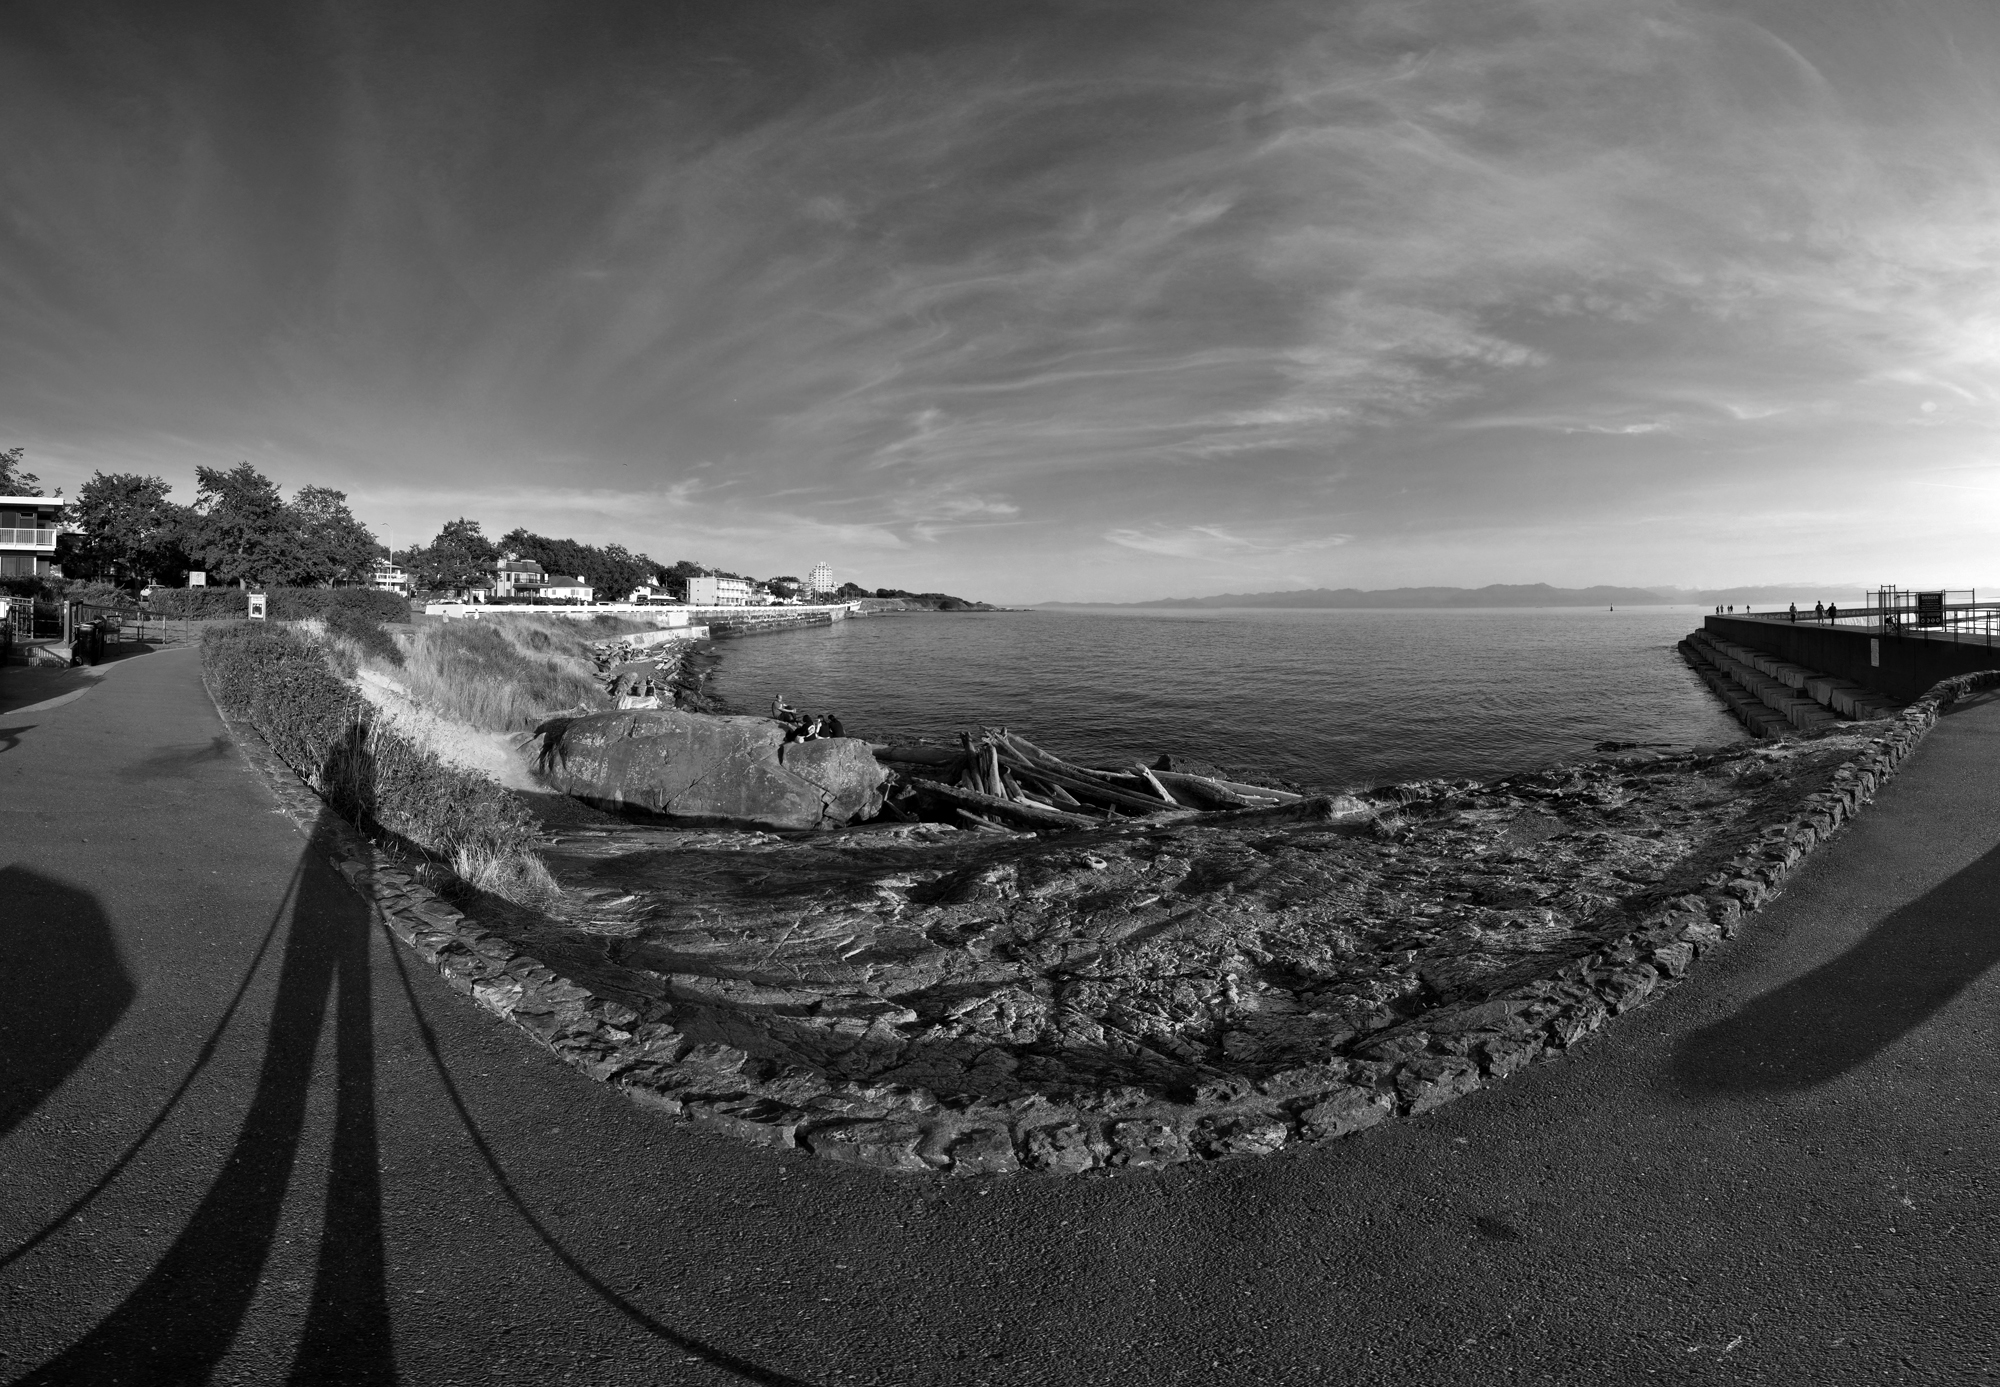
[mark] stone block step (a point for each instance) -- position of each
(1800, 711)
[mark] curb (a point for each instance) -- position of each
(1401, 1071)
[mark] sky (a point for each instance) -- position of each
(1026, 302)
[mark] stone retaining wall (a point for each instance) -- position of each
(1406, 1069)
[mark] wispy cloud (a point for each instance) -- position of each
(1019, 302)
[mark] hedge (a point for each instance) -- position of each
(280, 682)
(286, 604)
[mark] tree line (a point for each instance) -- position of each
(240, 529)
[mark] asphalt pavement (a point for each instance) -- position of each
(245, 1137)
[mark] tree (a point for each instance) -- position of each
(241, 530)
(129, 531)
(458, 555)
(331, 545)
(612, 570)
(14, 481)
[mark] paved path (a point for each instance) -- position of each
(245, 1139)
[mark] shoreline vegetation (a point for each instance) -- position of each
(1133, 993)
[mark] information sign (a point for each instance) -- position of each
(198, 579)
(1930, 609)
(257, 606)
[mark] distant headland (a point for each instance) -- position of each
(1492, 595)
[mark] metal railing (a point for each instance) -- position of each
(34, 539)
(1964, 623)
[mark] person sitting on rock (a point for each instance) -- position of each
(829, 726)
(784, 712)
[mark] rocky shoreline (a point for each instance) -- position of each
(914, 997)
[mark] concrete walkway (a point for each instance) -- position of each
(243, 1138)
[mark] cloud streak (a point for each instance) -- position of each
(1021, 301)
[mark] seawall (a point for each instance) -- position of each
(1901, 663)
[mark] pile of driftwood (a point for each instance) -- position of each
(1000, 780)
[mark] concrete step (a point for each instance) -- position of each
(1800, 711)
(1847, 699)
(1761, 720)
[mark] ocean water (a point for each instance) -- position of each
(1327, 699)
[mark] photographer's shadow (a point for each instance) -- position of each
(66, 987)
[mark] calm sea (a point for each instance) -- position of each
(1330, 699)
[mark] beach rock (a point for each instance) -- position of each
(730, 770)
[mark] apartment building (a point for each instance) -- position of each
(707, 591)
(28, 526)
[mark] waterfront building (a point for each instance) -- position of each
(389, 577)
(28, 526)
(819, 582)
(555, 588)
(513, 576)
(710, 591)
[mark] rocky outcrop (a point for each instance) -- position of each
(710, 769)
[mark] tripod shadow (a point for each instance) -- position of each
(179, 1322)
(66, 987)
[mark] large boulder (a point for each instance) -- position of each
(711, 769)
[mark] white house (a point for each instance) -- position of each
(390, 577)
(513, 576)
(709, 591)
(560, 589)
(651, 593)
(28, 526)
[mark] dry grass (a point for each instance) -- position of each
(519, 877)
(506, 674)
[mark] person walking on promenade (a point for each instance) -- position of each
(1795, 613)
(1832, 612)
(1819, 611)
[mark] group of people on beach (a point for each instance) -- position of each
(804, 727)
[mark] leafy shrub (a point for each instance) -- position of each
(286, 604)
(296, 604)
(280, 682)
(200, 604)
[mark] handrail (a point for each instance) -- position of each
(36, 538)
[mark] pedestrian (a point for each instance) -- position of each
(1795, 613)
(1819, 611)
(1832, 612)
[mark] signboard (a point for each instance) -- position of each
(198, 579)
(1930, 609)
(257, 606)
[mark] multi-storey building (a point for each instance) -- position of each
(710, 591)
(28, 526)
(819, 583)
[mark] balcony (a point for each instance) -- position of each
(28, 539)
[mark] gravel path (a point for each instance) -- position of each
(246, 1139)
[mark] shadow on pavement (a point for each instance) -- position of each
(181, 1320)
(1837, 1017)
(66, 986)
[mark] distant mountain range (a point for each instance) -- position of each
(1500, 595)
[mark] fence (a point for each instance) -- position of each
(1906, 614)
